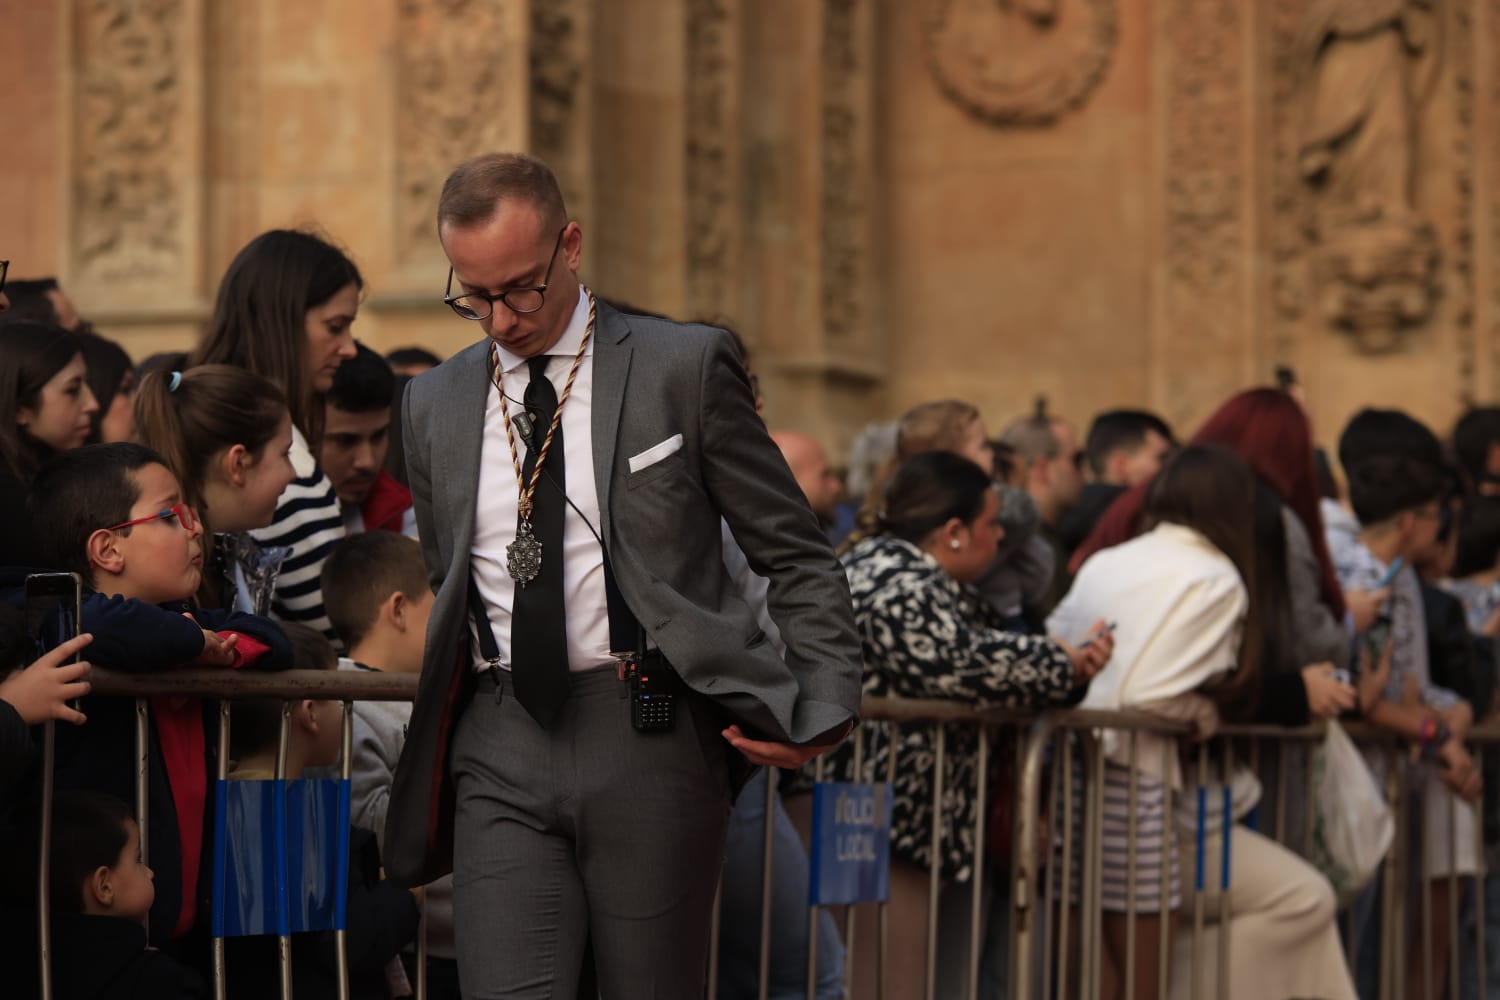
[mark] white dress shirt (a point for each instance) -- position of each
(496, 509)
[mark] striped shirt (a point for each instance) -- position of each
(309, 522)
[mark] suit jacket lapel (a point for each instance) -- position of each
(459, 443)
(611, 369)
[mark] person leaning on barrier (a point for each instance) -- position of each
(927, 633)
(113, 514)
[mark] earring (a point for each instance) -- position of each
(954, 545)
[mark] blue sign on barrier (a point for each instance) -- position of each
(851, 836)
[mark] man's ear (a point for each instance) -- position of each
(233, 464)
(103, 549)
(304, 716)
(99, 888)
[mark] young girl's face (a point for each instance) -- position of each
(250, 503)
(330, 336)
(62, 418)
(118, 423)
(268, 475)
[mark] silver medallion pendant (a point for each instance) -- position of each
(523, 557)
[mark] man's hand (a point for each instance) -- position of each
(766, 754)
(1327, 696)
(1364, 606)
(1458, 771)
(41, 692)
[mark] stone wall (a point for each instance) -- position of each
(1106, 202)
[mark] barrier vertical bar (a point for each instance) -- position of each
(1131, 825)
(1024, 905)
(1065, 898)
(221, 847)
(283, 890)
(420, 986)
(934, 868)
(1096, 848)
(1050, 901)
(1453, 933)
(812, 911)
(849, 912)
(1226, 837)
(44, 862)
(713, 940)
(142, 776)
(768, 849)
(1481, 971)
(1423, 890)
(976, 903)
(341, 906)
(882, 980)
(1281, 771)
(1169, 836)
(1200, 869)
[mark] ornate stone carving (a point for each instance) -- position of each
(845, 166)
(1020, 62)
(1204, 306)
(1351, 82)
(130, 187)
(557, 71)
(1462, 290)
(710, 156)
(456, 70)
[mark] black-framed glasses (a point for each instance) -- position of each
(522, 299)
(4, 270)
(184, 514)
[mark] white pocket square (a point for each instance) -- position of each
(656, 453)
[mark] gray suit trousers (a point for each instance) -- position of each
(590, 830)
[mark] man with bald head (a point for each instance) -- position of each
(569, 473)
(809, 465)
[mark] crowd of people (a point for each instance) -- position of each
(247, 505)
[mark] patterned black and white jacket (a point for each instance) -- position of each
(926, 635)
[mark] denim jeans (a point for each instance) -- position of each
(739, 920)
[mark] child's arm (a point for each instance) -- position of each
(138, 637)
(268, 648)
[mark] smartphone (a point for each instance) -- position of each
(1376, 638)
(54, 610)
(1101, 633)
(1390, 574)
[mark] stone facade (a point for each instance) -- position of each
(1106, 202)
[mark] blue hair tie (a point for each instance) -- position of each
(175, 381)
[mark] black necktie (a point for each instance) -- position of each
(538, 633)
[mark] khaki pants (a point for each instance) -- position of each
(1283, 936)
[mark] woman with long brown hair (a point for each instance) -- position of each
(285, 311)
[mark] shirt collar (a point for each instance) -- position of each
(567, 344)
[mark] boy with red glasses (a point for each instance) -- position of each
(113, 513)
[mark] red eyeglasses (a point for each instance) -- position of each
(184, 514)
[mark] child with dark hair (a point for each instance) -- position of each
(378, 598)
(356, 440)
(113, 514)
(380, 917)
(100, 891)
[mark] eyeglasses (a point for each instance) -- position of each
(184, 514)
(4, 270)
(522, 299)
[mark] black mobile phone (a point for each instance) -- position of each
(54, 610)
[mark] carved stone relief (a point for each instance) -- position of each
(1351, 83)
(132, 60)
(1204, 183)
(557, 73)
(846, 58)
(456, 68)
(711, 150)
(1020, 62)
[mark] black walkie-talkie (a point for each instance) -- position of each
(653, 698)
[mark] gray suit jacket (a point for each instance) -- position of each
(661, 524)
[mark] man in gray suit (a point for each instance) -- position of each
(569, 475)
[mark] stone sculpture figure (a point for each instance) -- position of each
(1357, 152)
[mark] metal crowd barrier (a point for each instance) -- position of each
(1040, 937)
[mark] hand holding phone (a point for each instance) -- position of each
(41, 692)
